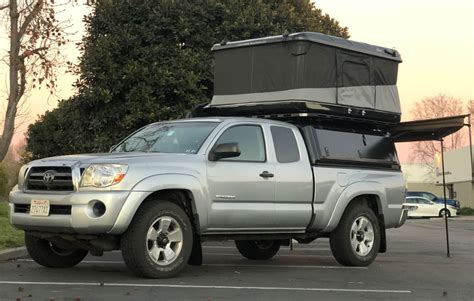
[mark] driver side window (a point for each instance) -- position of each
(250, 141)
(424, 201)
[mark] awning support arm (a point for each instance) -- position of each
(445, 205)
(470, 140)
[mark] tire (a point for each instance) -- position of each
(352, 246)
(444, 211)
(156, 227)
(258, 249)
(47, 254)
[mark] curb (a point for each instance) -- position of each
(13, 253)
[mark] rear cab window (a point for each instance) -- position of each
(286, 147)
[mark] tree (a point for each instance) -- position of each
(440, 105)
(35, 40)
(150, 60)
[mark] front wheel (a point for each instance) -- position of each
(159, 240)
(49, 255)
(258, 249)
(356, 240)
(444, 212)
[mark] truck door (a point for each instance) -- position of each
(293, 179)
(242, 189)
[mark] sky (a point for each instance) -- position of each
(434, 37)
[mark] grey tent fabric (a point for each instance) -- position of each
(309, 67)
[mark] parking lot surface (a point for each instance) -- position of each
(415, 267)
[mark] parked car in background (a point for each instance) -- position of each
(422, 207)
(434, 198)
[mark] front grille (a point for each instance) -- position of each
(53, 209)
(62, 179)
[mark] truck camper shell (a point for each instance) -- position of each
(306, 72)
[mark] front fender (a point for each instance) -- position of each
(155, 183)
(351, 192)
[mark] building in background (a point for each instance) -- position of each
(458, 172)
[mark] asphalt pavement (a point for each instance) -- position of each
(415, 267)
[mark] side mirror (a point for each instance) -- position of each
(224, 150)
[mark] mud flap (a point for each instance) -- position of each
(196, 252)
(383, 236)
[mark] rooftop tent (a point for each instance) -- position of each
(304, 72)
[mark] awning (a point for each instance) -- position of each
(428, 129)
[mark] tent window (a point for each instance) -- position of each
(355, 74)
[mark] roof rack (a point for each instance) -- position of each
(302, 112)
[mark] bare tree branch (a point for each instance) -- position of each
(36, 37)
(440, 105)
(30, 17)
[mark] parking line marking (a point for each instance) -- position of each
(285, 266)
(277, 255)
(264, 288)
(287, 249)
(231, 265)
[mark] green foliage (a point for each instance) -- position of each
(145, 61)
(8, 176)
(9, 236)
(3, 181)
(466, 211)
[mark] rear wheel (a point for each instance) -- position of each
(444, 212)
(258, 249)
(49, 255)
(159, 240)
(356, 240)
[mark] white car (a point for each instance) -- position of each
(422, 207)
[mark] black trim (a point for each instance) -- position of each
(53, 209)
(295, 109)
(369, 164)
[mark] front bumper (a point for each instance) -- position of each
(81, 219)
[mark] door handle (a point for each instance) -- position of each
(266, 174)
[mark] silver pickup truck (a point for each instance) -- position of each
(172, 185)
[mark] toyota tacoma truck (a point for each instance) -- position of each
(171, 185)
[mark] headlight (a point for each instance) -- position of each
(103, 175)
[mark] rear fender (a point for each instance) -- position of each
(352, 192)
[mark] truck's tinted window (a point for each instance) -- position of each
(250, 140)
(344, 146)
(286, 148)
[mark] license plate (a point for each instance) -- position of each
(39, 208)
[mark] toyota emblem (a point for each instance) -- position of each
(48, 177)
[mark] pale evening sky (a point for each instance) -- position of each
(434, 37)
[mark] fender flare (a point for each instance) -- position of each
(143, 189)
(351, 192)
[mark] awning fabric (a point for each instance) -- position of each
(428, 129)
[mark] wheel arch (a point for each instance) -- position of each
(184, 190)
(184, 198)
(371, 194)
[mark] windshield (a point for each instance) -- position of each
(175, 137)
